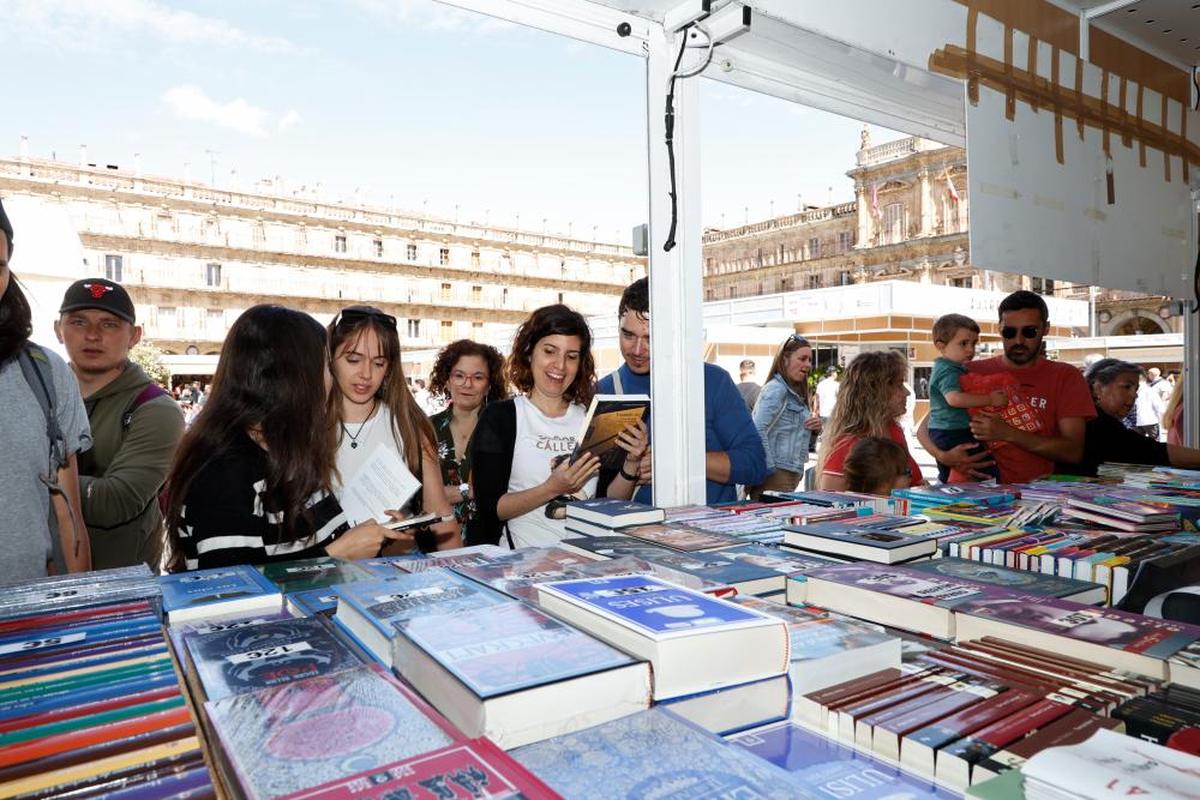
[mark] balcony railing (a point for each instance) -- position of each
(894, 151)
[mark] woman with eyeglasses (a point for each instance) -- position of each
(371, 407)
(253, 477)
(783, 416)
(1114, 384)
(522, 447)
(468, 375)
(872, 397)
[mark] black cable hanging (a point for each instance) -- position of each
(669, 245)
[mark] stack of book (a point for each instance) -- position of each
(89, 699)
(875, 504)
(223, 591)
(1126, 515)
(739, 576)
(951, 710)
(920, 499)
(602, 516)
(882, 538)
(1109, 764)
(1159, 714)
(518, 573)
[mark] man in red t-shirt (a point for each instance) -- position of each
(1053, 402)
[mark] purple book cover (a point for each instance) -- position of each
(518, 573)
(909, 584)
(1132, 633)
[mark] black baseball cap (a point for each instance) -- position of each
(99, 293)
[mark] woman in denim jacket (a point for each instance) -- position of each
(784, 417)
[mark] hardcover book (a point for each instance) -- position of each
(255, 657)
(628, 565)
(369, 609)
(854, 539)
(474, 769)
(518, 573)
(515, 674)
(694, 641)
(1013, 579)
(745, 577)
(612, 513)
(607, 416)
(683, 538)
(827, 650)
(282, 739)
(1108, 636)
(654, 755)
(897, 596)
(829, 769)
(219, 591)
(312, 573)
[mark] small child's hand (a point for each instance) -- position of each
(998, 398)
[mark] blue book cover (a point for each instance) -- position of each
(653, 754)
(828, 769)
(709, 566)
(314, 601)
(655, 608)
(434, 591)
(510, 647)
(519, 573)
(201, 587)
(72, 660)
(51, 640)
(389, 566)
(290, 737)
(57, 698)
(244, 659)
(613, 512)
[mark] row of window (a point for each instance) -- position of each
(812, 249)
(114, 270)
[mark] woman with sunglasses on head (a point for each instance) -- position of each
(253, 476)
(1114, 384)
(468, 375)
(871, 398)
(522, 472)
(783, 416)
(371, 406)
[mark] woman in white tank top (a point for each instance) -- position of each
(521, 446)
(371, 407)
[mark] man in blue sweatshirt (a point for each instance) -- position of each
(734, 451)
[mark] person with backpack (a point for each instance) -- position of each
(43, 429)
(136, 425)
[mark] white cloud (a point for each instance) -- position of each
(81, 24)
(290, 119)
(431, 15)
(190, 102)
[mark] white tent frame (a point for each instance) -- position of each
(866, 59)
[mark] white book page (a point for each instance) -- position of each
(382, 482)
(1114, 765)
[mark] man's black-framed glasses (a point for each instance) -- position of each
(1026, 331)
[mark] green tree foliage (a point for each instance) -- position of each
(149, 358)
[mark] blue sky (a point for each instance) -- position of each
(408, 100)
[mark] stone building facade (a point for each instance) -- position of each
(909, 220)
(193, 257)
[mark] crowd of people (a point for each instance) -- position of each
(105, 468)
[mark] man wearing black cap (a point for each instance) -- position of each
(136, 425)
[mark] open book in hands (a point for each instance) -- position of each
(607, 416)
(383, 482)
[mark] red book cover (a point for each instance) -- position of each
(52, 745)
(991, 738)
(462, 771)
(857, 691)
(1058, 666)
(59, 619)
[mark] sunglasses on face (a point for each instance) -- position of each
(1027, 332)
(353, 315)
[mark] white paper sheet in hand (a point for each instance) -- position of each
(382, 482)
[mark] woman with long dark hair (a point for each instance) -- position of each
(522, 446)
(252, 480)
(783, 416)
(39, 479)
(468, 375)
(371, 407)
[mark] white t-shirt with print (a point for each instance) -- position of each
(539, 440)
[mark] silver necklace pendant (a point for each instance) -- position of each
(353, 445)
